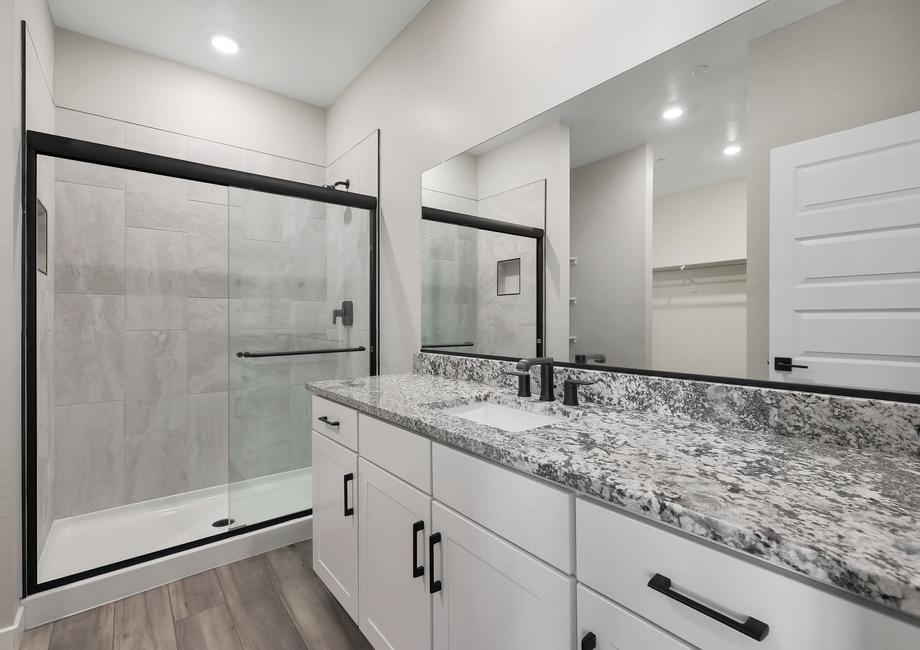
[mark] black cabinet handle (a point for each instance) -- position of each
(434, 586)
(348, 478)
(784, 364)
(331, 423)
(751, 627)
(418, 570)
(589, 641)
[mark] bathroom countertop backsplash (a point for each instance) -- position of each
(890, 427)
(842, 514)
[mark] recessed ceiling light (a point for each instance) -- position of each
(672, 112)
(700, 69)
(732, 150)
(225, 44)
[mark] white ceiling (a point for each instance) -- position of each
(306, 49)
(625, 112)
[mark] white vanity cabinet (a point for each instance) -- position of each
(393, 526)
(429, 547)
(335, 526)
(490, 594)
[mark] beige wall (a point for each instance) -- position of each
(612, 239)
(465, 70)
(852, 64)
(705, 224)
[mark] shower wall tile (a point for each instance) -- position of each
(155, 278)
(261, 446)
(89, 455)
(208, 439)
(156, 465)
(83, 126)
(264, 217)
(153, 201)
(308, 258)
(89, 346)
(301, 424)
(156, 386)
(162, 143)
(208, 363)
(359, 165)
(218, 155)
(265, 164)
(207, 250)
(89, 255)
(264, 287)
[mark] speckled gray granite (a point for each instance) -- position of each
(891, 427)
(840, 515)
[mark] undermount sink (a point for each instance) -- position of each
(501, 417)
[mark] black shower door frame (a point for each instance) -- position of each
(54, 146)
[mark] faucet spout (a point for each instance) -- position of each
(546, 375)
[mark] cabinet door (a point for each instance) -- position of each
(492, 594)
(604, 625)
(394, 522)
(335, 526)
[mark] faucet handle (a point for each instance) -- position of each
(570, 389)
(523, 381)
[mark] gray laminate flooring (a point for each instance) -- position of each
(272, 601)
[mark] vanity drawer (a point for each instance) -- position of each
(339, 423)
(400, 452)
(618, 555)
(528, 512)
(614, 628)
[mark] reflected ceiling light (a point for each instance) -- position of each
(673, 112)
(225, 44)
(732, 150)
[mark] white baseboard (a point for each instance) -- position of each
(11, 636)
(80, 596)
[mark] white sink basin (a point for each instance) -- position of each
(505, 418)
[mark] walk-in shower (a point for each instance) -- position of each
(173, 312)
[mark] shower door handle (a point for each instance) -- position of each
(349, 511)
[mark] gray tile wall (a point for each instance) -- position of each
(148, 310)
(140, 382)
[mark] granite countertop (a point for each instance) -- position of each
(842, 516)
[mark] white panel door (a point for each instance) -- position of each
(492, 594)
(394, 521)
(335, 526)
(845, 257)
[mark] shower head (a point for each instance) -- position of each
(334, 186)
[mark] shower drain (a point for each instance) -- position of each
(223, 523)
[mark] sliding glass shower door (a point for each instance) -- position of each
(300, 292)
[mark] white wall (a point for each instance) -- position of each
(105, 79)
(852, 64)
(612, 239)
(705, 224)
(40, 56)
(465, 70)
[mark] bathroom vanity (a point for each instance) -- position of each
(606, 528)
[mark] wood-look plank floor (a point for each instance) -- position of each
(272, 601)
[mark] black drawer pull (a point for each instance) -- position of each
(589, 641)
(751, 627)
(348, 478)
(331, 423)
(434, 586)
(418, 570)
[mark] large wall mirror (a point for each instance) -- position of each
(746, 205)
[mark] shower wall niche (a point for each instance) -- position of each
(151, 425)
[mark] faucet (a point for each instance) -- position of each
(546, 375)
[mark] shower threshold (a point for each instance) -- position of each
(98, 538)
